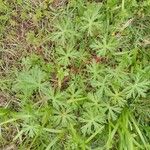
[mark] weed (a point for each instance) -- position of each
(74, 75)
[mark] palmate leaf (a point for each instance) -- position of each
(29, 81)
(55, 97)
(99, 48)
(111, 110)
(94, 101)
(104, 46)
(63, 116)
(90, 20)
(117, 75)
(101, 85)
(95, 70)
(142, 107)
(117, 97)
(92, 120)
(137, 88)
(64, 30)
(66, 55)
(74, 96)
(31, 130)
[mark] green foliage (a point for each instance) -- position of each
(75, 75)
(104, 46)
(64, 31)
(29, 81)
(63, 116)
(91, 19)
(138, 88)
(92, 120)
(66, 56)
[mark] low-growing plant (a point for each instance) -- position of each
(74, 75)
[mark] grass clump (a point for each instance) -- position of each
(74, 75)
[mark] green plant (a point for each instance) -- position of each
(91, 19)
(74, 75)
